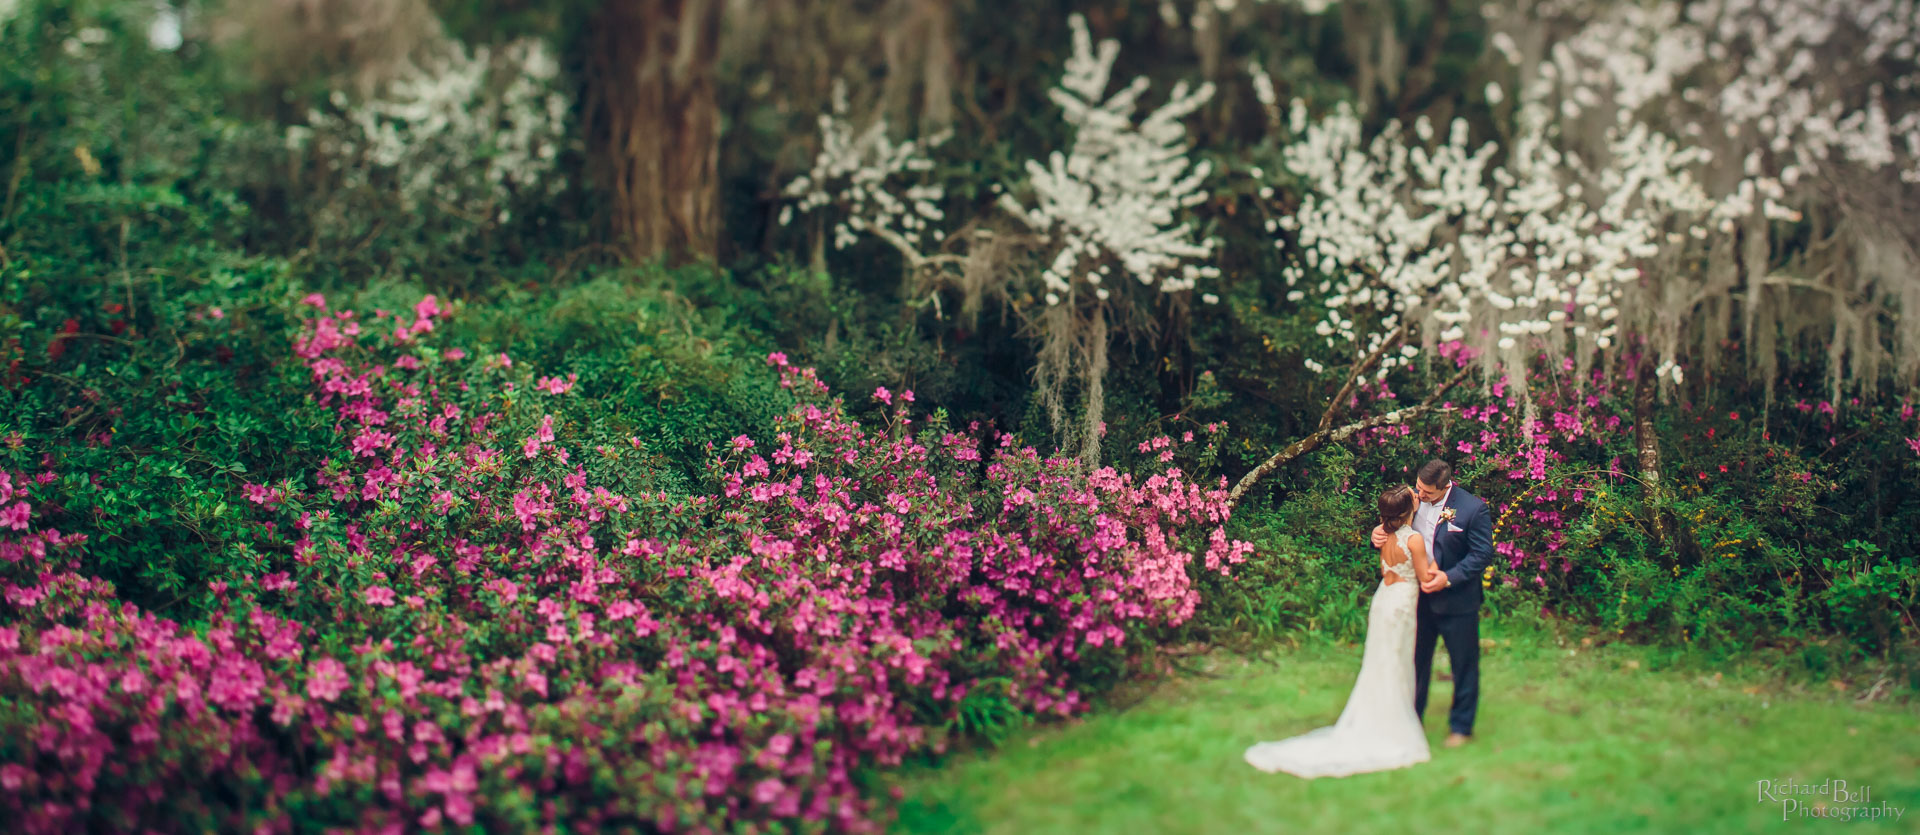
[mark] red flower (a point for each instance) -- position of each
(59, 344)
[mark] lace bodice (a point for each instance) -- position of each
(1405, 568)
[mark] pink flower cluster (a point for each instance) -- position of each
(449, 634)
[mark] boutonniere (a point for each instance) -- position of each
(1446, 515)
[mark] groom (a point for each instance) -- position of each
(1459, 534)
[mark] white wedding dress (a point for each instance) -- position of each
(1378, 730)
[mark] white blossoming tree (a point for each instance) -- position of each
(1109, 208)
(1786, 220)
(1109, 211)
(1803, 113)
(1810, 112)
(874, 185)
(461, 131)
(1405, 235)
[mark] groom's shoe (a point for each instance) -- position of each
(1455, 740)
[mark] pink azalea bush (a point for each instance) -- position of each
(475, 619)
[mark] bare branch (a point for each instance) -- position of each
(1323, 436)
(915, 260)
(1360, 370)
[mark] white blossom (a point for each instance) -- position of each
(454, 117)
(1117, 195)
(874, 183)
(1409, 227)
(1803, 109)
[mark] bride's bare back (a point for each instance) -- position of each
(1391, 554)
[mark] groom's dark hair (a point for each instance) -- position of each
(1435, 473)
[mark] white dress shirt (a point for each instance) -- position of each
(1426, 518)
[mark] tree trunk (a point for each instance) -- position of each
(1420, 76)
(919, 50)
(654, 120)
(1644, 384)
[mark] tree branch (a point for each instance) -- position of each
(1360, 370)
(1323, 436)
(915, 260)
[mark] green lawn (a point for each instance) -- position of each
(1581, 739)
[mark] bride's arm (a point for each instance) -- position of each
(1422, 563)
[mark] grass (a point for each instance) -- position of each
(1581, 738)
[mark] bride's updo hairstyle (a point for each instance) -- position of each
(1395, 503)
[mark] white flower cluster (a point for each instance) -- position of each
(1807, 106)
(1170, 13)
(1115, 197)
(858, 173)
(1781, 84)
(1402, 227)
(456, 114)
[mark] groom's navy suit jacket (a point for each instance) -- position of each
(1463, 554)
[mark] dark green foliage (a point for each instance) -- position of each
(155, 243)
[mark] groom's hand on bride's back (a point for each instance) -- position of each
(1379, 537)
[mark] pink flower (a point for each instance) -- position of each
(16, 516)
(315, 300)
(881, 394)
(367, 443)
(261, 494)
(326, 679)
(378, 596)
(541, 437)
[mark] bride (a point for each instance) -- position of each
(1378, 730)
